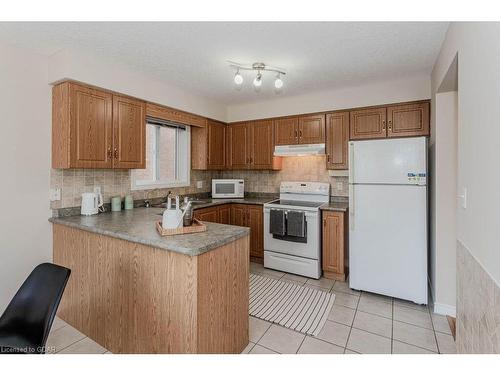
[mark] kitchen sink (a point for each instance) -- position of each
(194, 202)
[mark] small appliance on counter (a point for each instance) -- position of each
(229, 188)
(91, 204)
(173, 217)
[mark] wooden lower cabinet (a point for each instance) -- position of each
(335, 242)
(243, 215)
(224, 213)
(210, 214)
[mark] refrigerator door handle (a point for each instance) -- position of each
(351, 207)
(351, 162)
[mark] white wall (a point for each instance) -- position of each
(443, 234)
(25, 236)
(113, 75)
(374, 93)
(478, 47)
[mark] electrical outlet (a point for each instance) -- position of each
(55, 195)
(97, 189)
(199, 184)
(463, 198)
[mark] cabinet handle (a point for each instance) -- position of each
(383, 125)
(300, 133)
(116, 153)
(295, 132)
(251, 160)
(110, 153)
(390, 124)
(324, 222)
(328, 158)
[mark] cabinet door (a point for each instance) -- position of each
(261, 144)
(129, 133)
(333, 242)
(368, 123)
(286, 131)
(312, 129)
(225, 214)
(91, 128)
(238, 215)
(337, 139)
(210, 214)
(408, 120)
(239, 142)
(255, 220)
(216, 133)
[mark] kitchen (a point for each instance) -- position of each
(300, 222)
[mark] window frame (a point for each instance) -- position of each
(160, 184)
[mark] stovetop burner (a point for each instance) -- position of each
(282, 202)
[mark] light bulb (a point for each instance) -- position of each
(257, 82)
(238, 78)
(278, 83)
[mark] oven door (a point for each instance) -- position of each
(285, 245)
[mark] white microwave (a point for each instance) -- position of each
(230, 188)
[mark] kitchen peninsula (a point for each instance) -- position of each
(133, 291)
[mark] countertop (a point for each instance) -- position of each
(335, 206)
(247, 200)
(138, 225)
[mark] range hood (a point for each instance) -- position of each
(300, 150)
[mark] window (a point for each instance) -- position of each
(167, 157)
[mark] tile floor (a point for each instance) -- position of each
(359, 322)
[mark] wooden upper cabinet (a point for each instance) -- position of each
(172, 114)
(216, 156)
(82, 127)
(94, 128)
(238, 145)
(368, 123)
(408, 120)
(312, 129)
(129, 132)
(262, 144)
(286, 131)
(337, 140)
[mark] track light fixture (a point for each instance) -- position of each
(257, 82)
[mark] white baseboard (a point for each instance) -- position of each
(444, 309)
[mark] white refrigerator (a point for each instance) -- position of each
(388, 217)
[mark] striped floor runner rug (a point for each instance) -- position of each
(290, 305)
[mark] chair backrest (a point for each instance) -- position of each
(33, 308)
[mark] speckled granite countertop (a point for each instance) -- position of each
(247, 200)
(138, 225)
(335, 206)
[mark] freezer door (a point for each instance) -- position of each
(388, 161)
(388, 240)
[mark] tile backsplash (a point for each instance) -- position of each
(295, 168)
(74, 182)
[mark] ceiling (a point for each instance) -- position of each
(193, 55)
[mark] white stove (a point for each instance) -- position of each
(292, 230)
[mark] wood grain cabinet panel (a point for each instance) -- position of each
(172, 114)
(239, 145)
(216, 144)
(262, 144)
(312, 129)
(337, 140)
(238, 215)
(224, 214)
(334, 245)
(368, 123)
(408, 120)
(255, 220)
(286, 131)
(129, 131)
(94, 128)
(210, 214)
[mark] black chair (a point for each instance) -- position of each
(26, 323)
